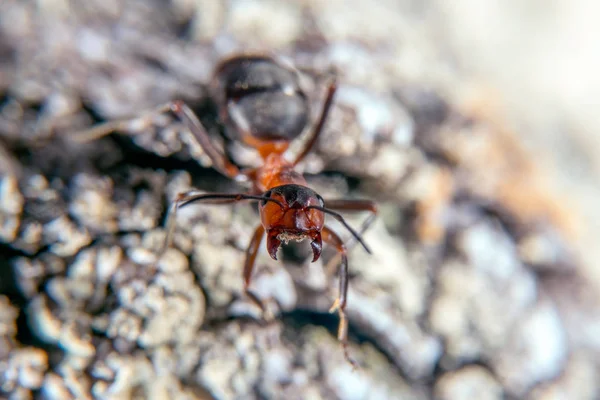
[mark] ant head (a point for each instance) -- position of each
(291, 216)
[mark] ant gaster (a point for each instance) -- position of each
(261, 104)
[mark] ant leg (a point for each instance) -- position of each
(128, 125)
(220, 162)
(331, 89)
(339, 305)
(251, 253)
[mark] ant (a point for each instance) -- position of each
(261, 104)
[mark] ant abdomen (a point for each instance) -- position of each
(260, 100)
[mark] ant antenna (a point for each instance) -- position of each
(226, 196)
(343, 221)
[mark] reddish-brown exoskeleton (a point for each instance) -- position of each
(262, 105)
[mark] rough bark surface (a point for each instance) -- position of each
(473, 290)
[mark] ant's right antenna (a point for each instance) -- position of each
(343, 221)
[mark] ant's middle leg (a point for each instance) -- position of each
(133, 124)
(220, 162)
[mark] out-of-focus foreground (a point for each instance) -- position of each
(472, 124)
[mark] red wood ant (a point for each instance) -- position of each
(262, 105)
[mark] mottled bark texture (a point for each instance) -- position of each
(472, 292)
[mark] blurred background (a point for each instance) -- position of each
(473, 124)
(538, 61)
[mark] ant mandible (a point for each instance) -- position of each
(260, 102)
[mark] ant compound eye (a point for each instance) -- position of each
(321, 201)
(266, 194)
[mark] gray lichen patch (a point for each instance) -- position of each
(157, 308)
(579, 378)
(22, 368)
(11, 206)
(468, 383)
(152, 312)
(8, 327)
(92, 204)
(246, 360)
(24, 371)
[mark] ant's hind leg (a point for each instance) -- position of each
(251, 253)
(220, 162)
(185, 114)
(314, 135)
(134, 125)
(339, 305)
(172, 217)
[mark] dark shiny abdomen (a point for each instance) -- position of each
(262, 99)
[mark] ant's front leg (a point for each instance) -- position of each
(339, 305)
(185, 114)
(251, 253)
